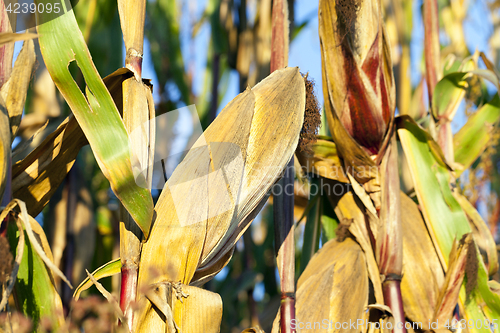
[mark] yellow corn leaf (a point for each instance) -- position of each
(352, 216)
(422, 272)
(208, 317)
(15, 89)
(222, 183)
(184, 308)
(336, 273)
(37, 177)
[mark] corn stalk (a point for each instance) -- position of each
(284, 201)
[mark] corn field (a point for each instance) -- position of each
(363, 200)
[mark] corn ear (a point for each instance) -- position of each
(201, 213)
(358, 82)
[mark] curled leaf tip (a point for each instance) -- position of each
(312, 118)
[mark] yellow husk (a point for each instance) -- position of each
(198, 222)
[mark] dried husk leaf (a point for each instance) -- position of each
(15, 89)
(355, 159)
(336, 273)
(422, 272)
(351, 214)
(198, 222)
(182, 309)
(205, 274)
(37, 177)
(204, 305)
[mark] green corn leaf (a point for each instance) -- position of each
(444, 216)
(448, 94)
(473, 138)
(329, 221)
(440, 209)
(450, 90)
(312, 229)
(61, 42)
(34, 292)
(111, 268)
